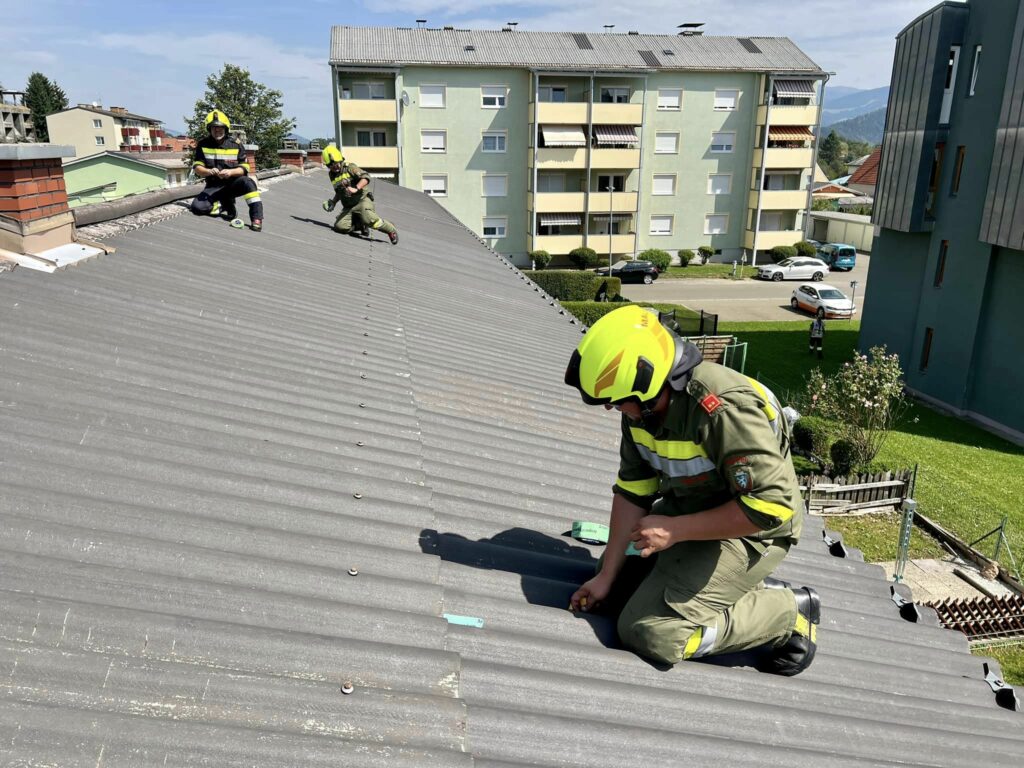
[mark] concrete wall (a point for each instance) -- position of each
(130, 178)
(75, 128)
(859, 234)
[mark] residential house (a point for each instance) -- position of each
(90, 129)
(864, 178)
(15, 118)
(112, 175)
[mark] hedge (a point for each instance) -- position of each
(780, 252)
(540, 258)
(572, 285)
(585, 257)
(814, 435)
(803, 248)
(659, 258)
(589, 312)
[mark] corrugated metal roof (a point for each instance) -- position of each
(201, 434)
(376, 46)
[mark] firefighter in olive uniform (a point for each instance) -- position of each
(350, 184)
(705, 481)
(221, 161)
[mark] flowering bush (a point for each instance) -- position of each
(864, 399)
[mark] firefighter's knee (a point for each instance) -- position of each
(201, 206)
(647, 637)
(248, 185)
(342, 230)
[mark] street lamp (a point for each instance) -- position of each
(611, 186)
(853, 300)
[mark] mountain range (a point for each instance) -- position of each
(843, 103)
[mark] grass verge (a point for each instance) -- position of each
(698, 271)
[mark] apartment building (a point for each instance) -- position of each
(556, 140)
(15, 118)
(91, 129)
(947, 268)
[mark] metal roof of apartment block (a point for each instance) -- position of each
(395, 46)
(239, 471)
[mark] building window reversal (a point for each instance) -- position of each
(958, 169)
(940, 266)
(615, 95)
(926, 349)
(664, 184)
(661, 225)
(432, 96)
(436, 185)
(725, 101)
(716, 224)
(933, 180)
(371, 138)
(493, 96)
(97, 123)
(495, 185)
(433, 141)
(494, 141)
(495, 227)
(947, 93)
(719, 183)
(670, 99)
(666, 143)
(722, 142)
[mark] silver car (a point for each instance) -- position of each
(796, 268)
(822, 300)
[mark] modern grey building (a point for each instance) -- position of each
(947, 269)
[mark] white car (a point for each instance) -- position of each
(822, 300)
(796, 268)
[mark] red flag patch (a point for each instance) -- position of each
(710, 404)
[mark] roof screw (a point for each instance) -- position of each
(357, 495)
(347, 687)
(365, 352)
(353, 571)
(362, 405)
(360, 443)
(362, 375)
(366, 334)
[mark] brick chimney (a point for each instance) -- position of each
(34, 214)
(250, 156)
(295, 158)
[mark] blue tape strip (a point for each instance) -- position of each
(464, 621)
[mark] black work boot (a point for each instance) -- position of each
(393, 237)
(797, 652)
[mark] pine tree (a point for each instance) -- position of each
(43, 97)
(249, 105)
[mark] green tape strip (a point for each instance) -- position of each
(590, 533)
(463, 621)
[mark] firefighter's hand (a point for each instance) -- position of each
(653, 533)
(329, 205)
(351, 190)
(591, 594)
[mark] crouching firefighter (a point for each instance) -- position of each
(221, 161)
(706, 495)
(350, 184)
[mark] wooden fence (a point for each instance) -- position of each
(857, 494)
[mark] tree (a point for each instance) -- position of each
(43, 97)
(250, 106)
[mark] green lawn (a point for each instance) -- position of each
(1011, 661)
(695, 271)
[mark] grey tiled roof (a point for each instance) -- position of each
(201, 434)
(559, 50)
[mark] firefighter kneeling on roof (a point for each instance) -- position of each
(350, 184)
(221, 161)
(706, 494)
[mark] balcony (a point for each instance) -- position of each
(559, 158)
(618, 114)
(768, 240)
(556, 245)
(559, 202)
(372, 157)
(572, 113)
(615, 158)
(785, 158)
(367, 110)
(619, 243)
(780, 199)
(806, 115)
(622, 202)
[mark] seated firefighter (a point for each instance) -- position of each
(221, 161)
(350, 184)
(706, 495)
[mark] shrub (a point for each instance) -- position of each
(571, 285)
(803, 248)
(706, 252)
(780, 252)
(659, 258)
(585, 257)
(685, 256)
(589, 312)
(844, 457)
(540, 258)
(814, 435)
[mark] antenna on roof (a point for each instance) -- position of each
(608, 28)
(421, 23)
(690, 28)
(512, 24)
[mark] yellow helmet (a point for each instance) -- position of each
(217, 118)
(332, 154)
(626, 355)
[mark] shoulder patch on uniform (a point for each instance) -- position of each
(711, 403)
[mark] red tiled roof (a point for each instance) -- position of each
(868, 171)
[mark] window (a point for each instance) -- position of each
(495, 227)
(494, 141)
(719, 183)
(495, 185)
(974, 69)
(926, 350)
(726, 100)
(670, 98)
(722, 142)
(958, 169)
(615, 95)
(947, 94)
(940, 266)
(369, 137)
(493, 96)
(661, 225)
(436, 185)
(554, 94)
(666, 143)
(97, 123)
(617, 182)
(432, 96)
(368, 91)
(551, 182)
(100, 141)
(433, 141)
(664, 184)
(716, 224)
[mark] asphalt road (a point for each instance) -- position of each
(745, 299)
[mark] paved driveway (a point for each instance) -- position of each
(745, 299)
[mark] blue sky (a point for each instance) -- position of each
(153, 57)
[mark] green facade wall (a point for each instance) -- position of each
(131, 178)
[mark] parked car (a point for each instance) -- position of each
(797, 268)
(838, 256)
(822, 300)
(631, 271)
(815, 243)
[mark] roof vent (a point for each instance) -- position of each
(421, 23)
(632, 32)
(449, 29)
(582, 41)
(749, 45)
(690, 28)
(668, 52)
(649, 58)
(470, 48)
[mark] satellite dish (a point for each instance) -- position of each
(405, 99)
